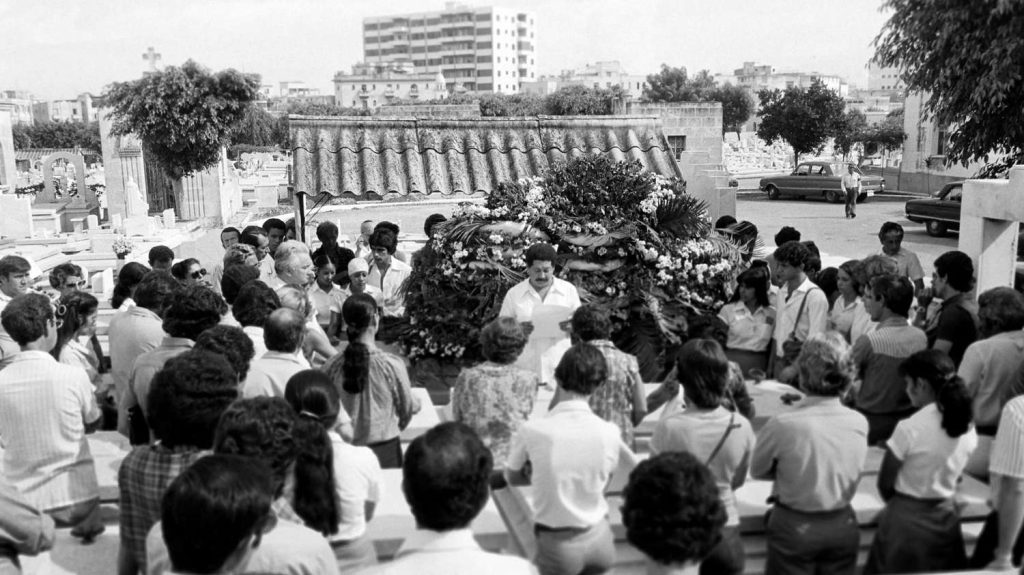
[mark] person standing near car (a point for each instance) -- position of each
(851, 187)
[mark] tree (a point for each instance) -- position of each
(68, 134)
(803, 118)
(888, 135)
(512, 105)
(673, 85)
(966, 58)
(737, 107)
(850, 130)
(22, 136)
(583, 101)
(183, 115)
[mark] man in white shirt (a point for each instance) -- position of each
(850, 184)
(802, 306)
(293, 265)
(283, 334)
(388, 273)
(1002, 539)
(46, 409)
(15, 277)
(891, 237)
(229, 236)
(571, 454)
(445, 480)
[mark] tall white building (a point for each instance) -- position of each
(477, 49)
(884, 79)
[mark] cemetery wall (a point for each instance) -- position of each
(699, 122)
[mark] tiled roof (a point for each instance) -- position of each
(361, 155)
(32, 154)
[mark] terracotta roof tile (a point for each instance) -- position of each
(361, 155)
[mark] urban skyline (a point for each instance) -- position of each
(57, 49)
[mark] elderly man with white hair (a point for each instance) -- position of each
(293, 265)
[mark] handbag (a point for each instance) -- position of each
(732, 425)
(792, 346)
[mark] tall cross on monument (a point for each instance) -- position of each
(153, 57)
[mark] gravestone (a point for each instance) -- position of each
(16, 217)
(266, 196)
(8, 170)
(79, 167)
(122, 162)
(990, 215)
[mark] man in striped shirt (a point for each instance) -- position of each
(1006, 467)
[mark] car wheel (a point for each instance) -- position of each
(773, 192)
(934, 228)
(862, 198)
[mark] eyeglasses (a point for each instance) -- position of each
(79, 284)
(199, 274)
(61, 311)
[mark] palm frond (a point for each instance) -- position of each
(464, 230)
(683, 217)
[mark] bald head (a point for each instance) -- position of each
(284, 330)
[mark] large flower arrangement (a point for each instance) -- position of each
(630, 241)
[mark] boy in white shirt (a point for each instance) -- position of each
(568, 456)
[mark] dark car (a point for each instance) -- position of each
(939, 213)
(820, 180)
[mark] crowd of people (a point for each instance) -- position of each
(263, 405)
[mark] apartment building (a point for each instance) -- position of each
(476, 48)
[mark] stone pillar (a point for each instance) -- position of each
(990, 214)
(8, 169)
(122, 160)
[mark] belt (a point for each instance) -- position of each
(541, 528)
(844, 509)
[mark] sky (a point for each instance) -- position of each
(59, 48)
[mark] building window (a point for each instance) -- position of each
(678, 144)
(942, 143)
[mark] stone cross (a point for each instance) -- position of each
(153, 57)
(990, 215)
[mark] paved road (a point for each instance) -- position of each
(834, 234)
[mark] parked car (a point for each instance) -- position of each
(939, 213)
(819, 179)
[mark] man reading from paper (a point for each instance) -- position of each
(543, 302)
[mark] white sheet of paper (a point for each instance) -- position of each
(546, 319)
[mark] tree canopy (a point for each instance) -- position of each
(58, 135)
(184, 115)
(803, 118)
(850, 129)
(674, 85)
(966, 59)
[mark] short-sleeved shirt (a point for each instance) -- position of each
(452, 552)
(382, 410)
(748, 331)
(989, 368)
(878, 356)
(269, 374)
(815, 454)
(494, 400)
(613, 400)
(573, 453)
(44, 408)
(357, 479)
(1007, 456)
(789, 319)
(958, 324)
(850, 181)
(932, 460)
(255, 334)
(907, 264)
(132, 333)
(142, 479)
(325, 303)
(8, 347)
(700, 431)
(77, 354)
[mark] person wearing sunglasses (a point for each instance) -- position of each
(190, 272)
(67, 278)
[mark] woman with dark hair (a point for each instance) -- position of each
(751, 319)
(848, 304)
(495, 397)
(336, 485)
(812, 527)
(76, 320)
(919, 529)
(190, 272)
(127, 278)
(541, 287)
(374, 384)
(722, 440)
